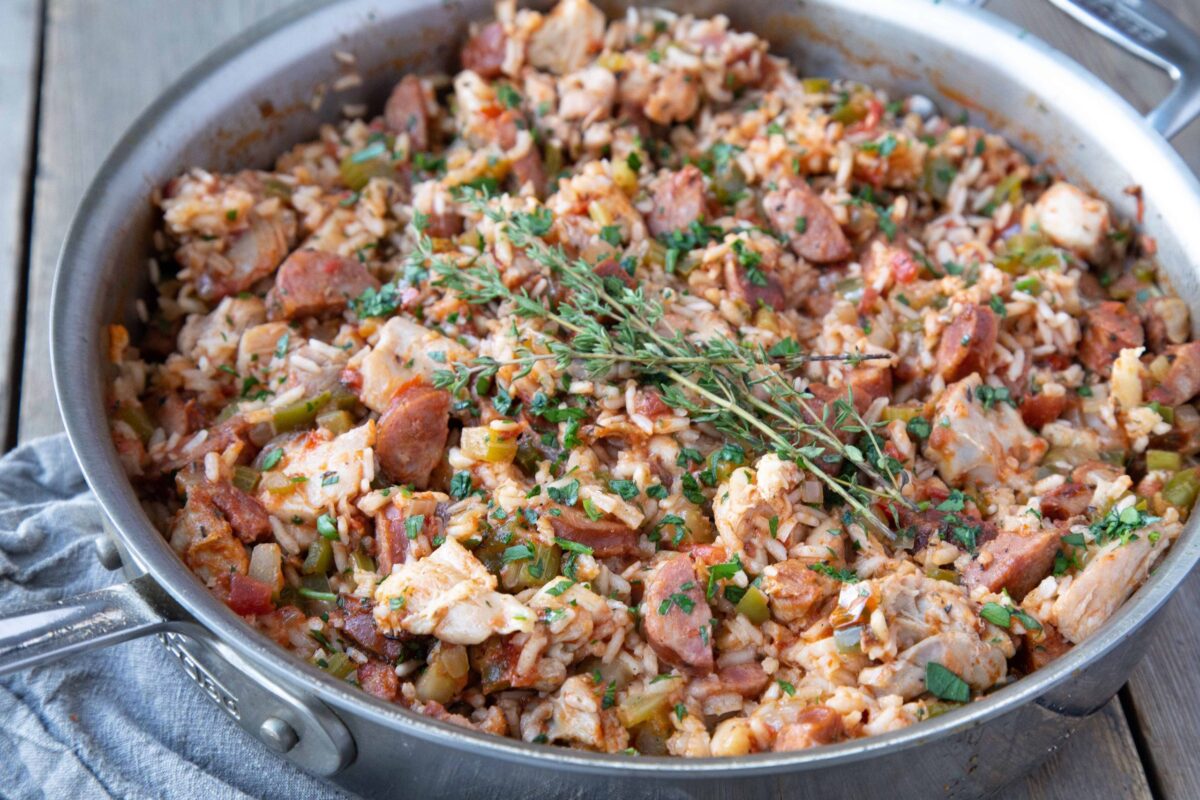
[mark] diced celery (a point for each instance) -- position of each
(1163, 459)
(753, 606)
(300, 414)
(246, 478)
(137, 419)
(1182, 489)
(319, 558)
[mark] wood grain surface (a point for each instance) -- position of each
(102, 62)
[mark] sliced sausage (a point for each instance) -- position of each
(754, 289)
(311, 282)
(796, 592)
(359, 626)
(678, 201)
(528, 171)
(412, 434)
(391, 539)
(249, 520)
(1108, 329)
(249, 595)
(407, 112)
(610, 268)
(920, 526)
(813, 726)
(968, 344)
(800, 214)
(379, 679)
(1182, 381)
(677, 618)
(1039, 648)
(484, 52)
(1167, 322)
(1014, 562)
(1069, 500)
(444, 225)
(867, 384)
(748, 679)
(1039, 410)
(607, 537)
(251, 256)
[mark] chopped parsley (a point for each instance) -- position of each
(273, 458)
(327, 527)
(518, 552)
(413, 525)
(460, 485)
(626, 490)
(944, 684)
(843, 575)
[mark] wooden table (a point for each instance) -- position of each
(74, 74)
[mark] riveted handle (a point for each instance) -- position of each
(42, 633)
(1152, 33)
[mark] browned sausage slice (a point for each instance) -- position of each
(1039, 410)
(1066, 501)
(607, 537)
(379, 679)
(1108, 329)
(754, 289)
(1039, 648)
(528, 170)
(246, 515)
(406, 112)
(1014, 562)
(796, 591)
(678, 201)
(677, 618)
(967, 344)
(252, 255)
(312, 282)
(483, 53)
(799, 213)
(867, 384)
(814, 726)
(444, 225)
(610, 268)
(412, 434)
(1182, 381)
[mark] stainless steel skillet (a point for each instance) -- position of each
(250, 100)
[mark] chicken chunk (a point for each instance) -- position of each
(570, 35)
(328, 472)
(250, 256)
(1182, 381)
(405, 351)
(450, 595)
(1073, 220)
(980, 665)
(972, 442)
(1107, 581)
(796, 591)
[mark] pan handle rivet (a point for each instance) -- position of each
(277, 735)
(107, 552)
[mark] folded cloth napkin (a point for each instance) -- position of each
(121, 722)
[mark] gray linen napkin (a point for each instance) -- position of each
(122, 722)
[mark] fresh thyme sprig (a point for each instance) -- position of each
(743, 390)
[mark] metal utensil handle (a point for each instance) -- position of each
(1152, 33)
(43, 633)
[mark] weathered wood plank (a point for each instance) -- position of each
(20, 42)
(90, 95)
(1098, 761)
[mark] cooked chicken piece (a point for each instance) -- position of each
(216, 335)
(259, 344)
(576, 716)
(916, 607)
(980, 665)
(815, 725)
(404, 352)
(795, 590)
(450, 595)
(1107, 581)
(207, 543)
(570, 35)
(328, 472)
(973, 443)
(1073, 220)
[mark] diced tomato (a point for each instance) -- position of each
(905, 268)
(249, 596)
(871, 120)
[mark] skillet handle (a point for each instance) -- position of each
(42, 633)
(1150, 32)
